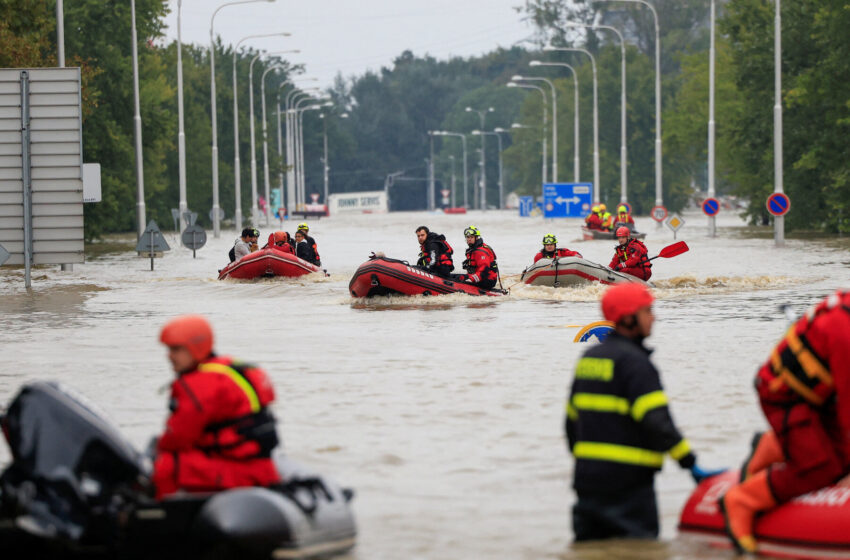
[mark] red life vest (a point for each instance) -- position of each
(799, 366)
(632, 254)
(481, 262)
(444, 255)
(543, 254)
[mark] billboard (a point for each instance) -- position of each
(358, 203)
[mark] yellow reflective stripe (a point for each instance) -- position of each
(618, 454)
(572, 413)
(234, 376)
(647, 402)
(810, 363)
(680, 449)
(597, 369)
(600, 403)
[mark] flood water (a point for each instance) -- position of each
(444, 414)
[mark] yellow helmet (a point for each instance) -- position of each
(602, 207)
(594, 208)
(303, 227)
(471, 230)
(621, 209)
(550, 239)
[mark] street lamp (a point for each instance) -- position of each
(137, 131)
(290, 171)
(543, 93)
(463, 142)
(294, 196)
(778, 221)
(237, 179)
(596, 186)
(576, 160)
(299, 117)
(265, 135)
(623, 152)
(658, 195)
(554, 117)
(325, 166)
(481, 114)
(452, 160)
(712, 222)
(499, 138)
(181, 134)
(216, 209)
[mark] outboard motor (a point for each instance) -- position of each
(71, 469)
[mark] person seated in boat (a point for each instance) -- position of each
(631, 256)
(281, 241)
(303, 249)
(220, 433)
(435, 253)
(619, 428)
(550, 249)
(804, 392)
(607, 221)
(245, 245)
(624, 218)
(482, 270)
(304, 228)
(594, 219)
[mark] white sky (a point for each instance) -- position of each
(352, 36)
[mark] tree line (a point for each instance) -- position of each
(391, 111)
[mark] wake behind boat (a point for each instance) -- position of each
(267, 263)
(380, 276)
(568, 272)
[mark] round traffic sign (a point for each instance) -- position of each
(778, 204)
(710, 206)
(659, 213)
(194, 237)
(220, 214)
(627, 205)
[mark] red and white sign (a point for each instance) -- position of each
(659, 213)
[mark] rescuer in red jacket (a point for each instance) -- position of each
(220, 432)
(281, 241)
(480, 264)
(594, 219)
(550, 249)
(803, 389)
(631, 256)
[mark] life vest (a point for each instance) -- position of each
(623, 253)
(444, 254)
(795, 365)
(312, 243)
(248, 436)
(469, 264)
(544, 254)
(607, 221)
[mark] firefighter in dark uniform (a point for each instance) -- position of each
(619, 427)
(435, 253)
(804, 389)
(482, 270)
(314, 249)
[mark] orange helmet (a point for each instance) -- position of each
(623, 231)
(622, 300)
(280, 237)
(192, 332)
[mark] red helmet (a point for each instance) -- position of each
(280, 237)
(623, 300)
(623, 231)
(192, 332)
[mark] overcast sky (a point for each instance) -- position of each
(353, 36)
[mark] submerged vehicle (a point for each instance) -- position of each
(267, 263)
(566, 272)
(814, 526)
(77, 489)
(381, 276)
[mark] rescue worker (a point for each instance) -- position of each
(631, 256)
(607, 221)
(480, 264)
(550, 249)
(623, 216)
(303, 249)
(619, 428)
(303, 227)
(803, 389)
(282, 241)
(593, 220)
(245, 245)
(435, 253)
(220, 432)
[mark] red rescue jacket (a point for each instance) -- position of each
(556, 253)
(633, 254)
(593, 221)
(480, 263)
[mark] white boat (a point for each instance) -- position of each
(566, 272)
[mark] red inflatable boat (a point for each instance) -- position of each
(813, 526)
(267, 263)
(380, 276)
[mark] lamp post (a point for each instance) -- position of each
(658, 152)
(576, 171)
(137, 128)
(481, 114)
(265, 135)
(290, 171)
(294, 196)
(237, 179)
(181, 133)
(430, 197)
(452, 161)
(554, 118)
(778, 221)
(299, 117)
(499, 138)
(465, 174)
(216, 208)
(596, 186)
(543, 93)
(712, 222)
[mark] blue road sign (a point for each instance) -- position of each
(526, 205)
(566, 200)
(778, 204)
(710, 206)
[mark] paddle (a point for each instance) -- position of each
(672, 250)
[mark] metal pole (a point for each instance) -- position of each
(501, 183)
(181, 133)
(279, 156)
(545, 129)
(214, 124)
(237, 179)
(554, 121)
(26, 175)
(254, 212)
(778, 221)
(60, 34)
(465, 172)
(452, 160)
(265, 141)
(431, 185)
(483, 167)
(712, 225)
(137, 129)
(325, 167)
